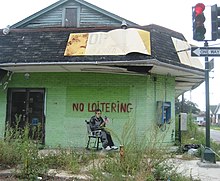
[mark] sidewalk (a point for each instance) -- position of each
(195, 169)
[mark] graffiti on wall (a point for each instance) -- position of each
(119, 107)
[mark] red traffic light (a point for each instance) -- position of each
(198, 20)
(199, 8)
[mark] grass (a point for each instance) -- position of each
(194, 135)
(17, 150)
(143, 159)
(215, 127)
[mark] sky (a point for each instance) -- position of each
(173, 14)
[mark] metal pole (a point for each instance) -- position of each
(181, 110)
(208, 154)
(180, 134)
(207, 98)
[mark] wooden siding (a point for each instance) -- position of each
(50, 19)
(88, 17)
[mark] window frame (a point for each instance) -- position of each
(77, 14)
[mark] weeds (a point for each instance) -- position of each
(196, 135)
(20, 151)
(145, 158)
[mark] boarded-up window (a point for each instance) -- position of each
(70, 19)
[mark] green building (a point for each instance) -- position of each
(60, 64)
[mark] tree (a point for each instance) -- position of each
(186, 107)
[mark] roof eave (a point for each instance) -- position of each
(116, 67)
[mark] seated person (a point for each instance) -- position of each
(97, 123)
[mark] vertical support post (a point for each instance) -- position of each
(207, 98)
(180, 134)
(179, 130)
(208, 154)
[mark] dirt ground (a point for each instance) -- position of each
(11, 178)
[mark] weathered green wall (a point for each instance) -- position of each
(65, 123)
(3, 98)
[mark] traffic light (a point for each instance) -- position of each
(198, 19)
(215, 12)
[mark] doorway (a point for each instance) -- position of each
(25, 109)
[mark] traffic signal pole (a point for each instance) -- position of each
(208, 154)
(199, 34)
(207, 98)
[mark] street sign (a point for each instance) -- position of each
(211, 65)
(205, 51)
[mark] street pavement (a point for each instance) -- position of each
(215, 135)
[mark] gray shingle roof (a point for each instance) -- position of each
(48, 45)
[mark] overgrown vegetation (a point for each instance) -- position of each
(21, 152)
(138, 161)
(196, 135)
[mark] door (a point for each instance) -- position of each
(25, 108)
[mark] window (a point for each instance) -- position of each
(71, 17)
